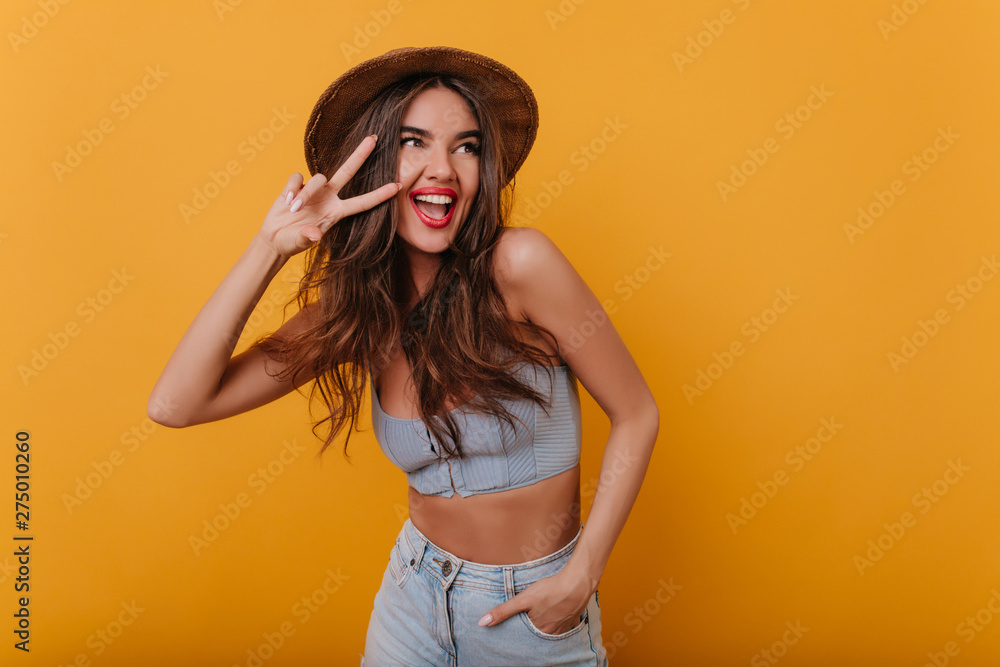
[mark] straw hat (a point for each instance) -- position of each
(506, 94)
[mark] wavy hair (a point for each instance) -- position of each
(356, 274)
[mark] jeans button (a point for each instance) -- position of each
(412, 561)
(446, 568)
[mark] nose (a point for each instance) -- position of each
(439, 164)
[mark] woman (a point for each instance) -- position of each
(471, 336)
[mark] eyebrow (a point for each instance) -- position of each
(424, 133)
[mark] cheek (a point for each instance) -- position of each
(402, 202)
(408, 169)
(470, 182)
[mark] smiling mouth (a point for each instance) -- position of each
(434, 210)
(436, 207)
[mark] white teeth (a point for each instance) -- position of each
(434, 199)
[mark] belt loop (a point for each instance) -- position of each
(417, 549)
(508, 581)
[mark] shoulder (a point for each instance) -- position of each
(523, 252)
(524, 260)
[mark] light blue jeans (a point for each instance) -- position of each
(428, 608)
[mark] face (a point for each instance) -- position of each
(439, 146)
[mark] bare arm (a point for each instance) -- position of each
(202, 382)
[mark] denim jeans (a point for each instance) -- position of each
(427, 611)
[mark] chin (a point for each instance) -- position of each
(430, 246)
(418, 236)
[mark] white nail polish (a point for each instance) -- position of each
(296, 206)
(288, 198)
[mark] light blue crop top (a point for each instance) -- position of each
(496, 456)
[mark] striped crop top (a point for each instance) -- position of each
(496, 456)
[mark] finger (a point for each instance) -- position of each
(291, 188)
(502, 611)
(302, 198)
(353, 163)
(312, 232)
(370, 199)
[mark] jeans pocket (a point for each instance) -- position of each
(563, 635)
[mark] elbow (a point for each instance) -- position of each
(166, 412)
(644, 416)
(653, 417)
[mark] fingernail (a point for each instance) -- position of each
(288, 198)
(485, 620)
(375, 137)
(296, 206)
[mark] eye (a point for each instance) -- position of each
(415, 139)
(471, 146)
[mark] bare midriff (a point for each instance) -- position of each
(504, 527)
(498, 528)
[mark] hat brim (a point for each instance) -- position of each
(505, 93)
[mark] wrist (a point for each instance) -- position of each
(579, 570)
(263, 251)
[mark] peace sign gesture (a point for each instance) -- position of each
(302, 214)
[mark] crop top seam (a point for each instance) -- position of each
(464, 407)
(519, 485)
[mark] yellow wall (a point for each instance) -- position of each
(835, 439)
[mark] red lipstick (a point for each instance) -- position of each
(435, 223)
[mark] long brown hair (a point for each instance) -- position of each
(356, 275)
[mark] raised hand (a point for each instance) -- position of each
(302, 214)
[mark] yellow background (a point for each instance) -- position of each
(681, 127)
